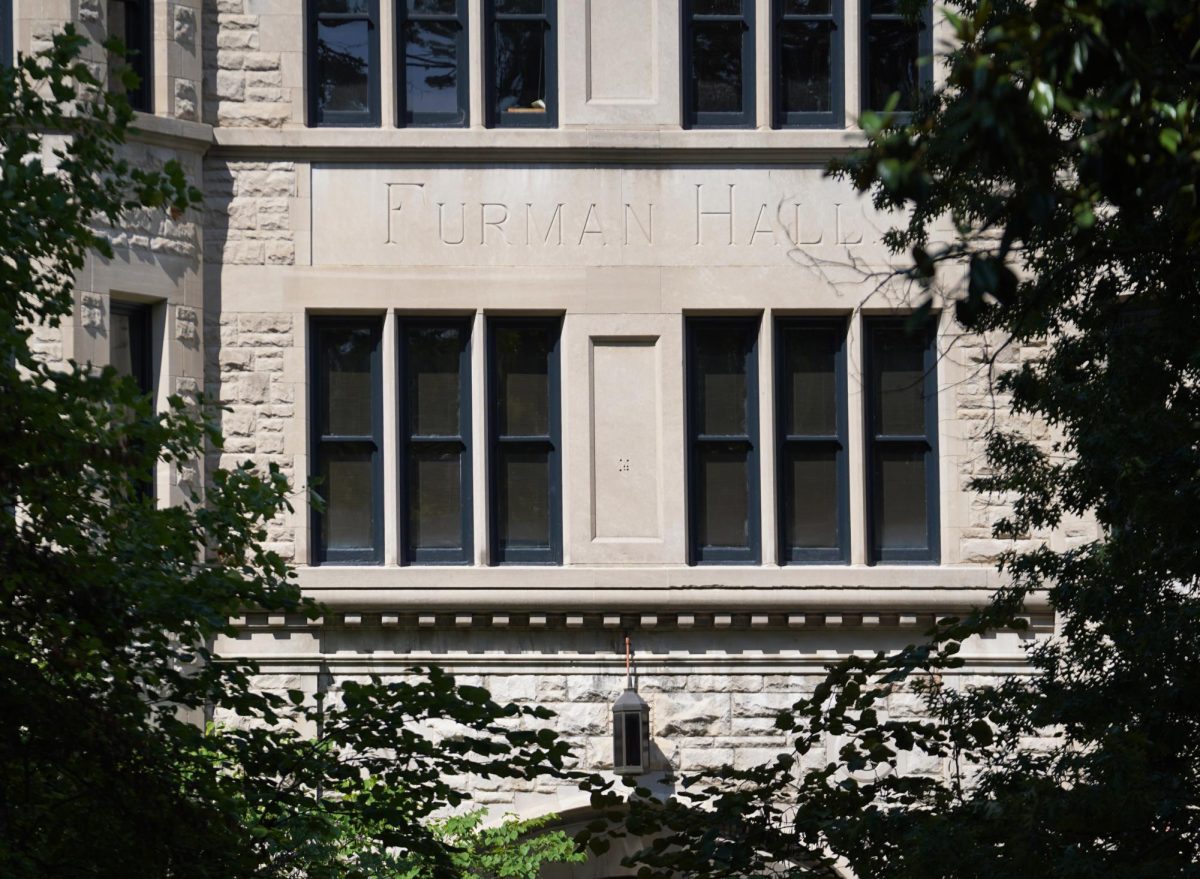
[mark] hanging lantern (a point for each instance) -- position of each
(631, 734)
(631, 728)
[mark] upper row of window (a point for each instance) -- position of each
(807, 52)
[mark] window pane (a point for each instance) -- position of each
(810, 361)
(433, 7)
(434, 383)
(885, 7)
(900, 511)
(346, 359)
(811, 503)
(900, 383)
(808, 7)
(343, 65)
(348, 522)
(523, 378)
(520, 7)
(346, 7)
(720, 355)
(717, 66)
(435, 498)
(431, 68)
(633, 739)
(723, 497)
(524, 499)
(121, 346)
(717, 7)
(521, 66)
(892, 50)
(806, 66)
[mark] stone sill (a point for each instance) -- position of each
(564, 144)
(911, 588)
(165, 131)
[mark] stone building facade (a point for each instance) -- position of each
(654, 346)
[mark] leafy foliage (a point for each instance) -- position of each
(109, 604)
(1065, 149)
(513, 849)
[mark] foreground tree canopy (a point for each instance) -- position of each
(1065, 148)
(107, 613)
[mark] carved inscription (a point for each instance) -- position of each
(598, 216)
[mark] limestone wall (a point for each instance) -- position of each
(713, 693)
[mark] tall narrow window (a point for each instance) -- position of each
(131, 353)
(811, 417)
(892, 43)
(524, 428)
(7, 55)
(433, 44)
(131, 21)
(345, 415)
(808, 62)
(719, 63)
(723, 428)
(131, 345)
(435, 411)
(901, 373)
(343, 62)
(522, 81)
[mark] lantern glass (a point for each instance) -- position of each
(630, 734)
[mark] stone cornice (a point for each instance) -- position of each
(646, 622)
(570, 146)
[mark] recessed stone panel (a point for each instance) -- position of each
(621, 57)
(626, 459)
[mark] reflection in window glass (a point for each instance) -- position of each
(344, 62)
(433, 37)
(343, 58)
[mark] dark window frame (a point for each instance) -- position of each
(317, 390)
(406, 118)
(411, 555)
(876, 441)
(318, 118)
(496, 119)
(139, 46)
(7, 56)
(839, 440)
(719, 119)
(501, 555)
(924, 49)
(835, 117)
(697, 554)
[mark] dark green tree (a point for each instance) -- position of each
(109, 605)
(1065, 149)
